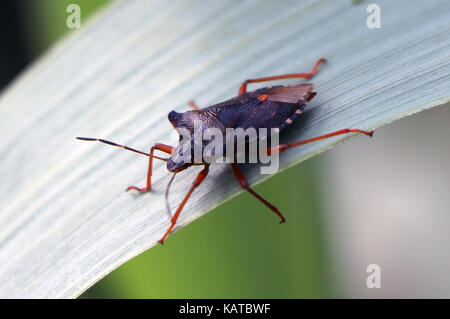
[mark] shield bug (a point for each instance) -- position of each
(269, 107)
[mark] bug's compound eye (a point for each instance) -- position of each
(180, 158)
(180, 151)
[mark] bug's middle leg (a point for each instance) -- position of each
(160, 147)
(241, 179)
(243, 87)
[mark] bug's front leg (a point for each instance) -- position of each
(243, 87)
(194, 105)
(197, 181)
(160, 147)
(283, 147)
(241, 179)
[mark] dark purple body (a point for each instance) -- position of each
(270, 107)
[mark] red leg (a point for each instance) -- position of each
(194, 105)
(241, 179)
(243, 87)
(283, 147)
(160, 147)
(197, 181)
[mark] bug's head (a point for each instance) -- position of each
(182, 154)
(180, 160)
(191, 127)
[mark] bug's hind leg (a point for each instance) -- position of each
(197, 181)
(241, 179)
(243, 87)
(160, 147)
(283, 147)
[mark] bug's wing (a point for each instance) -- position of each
(281, 105)
(297, 94)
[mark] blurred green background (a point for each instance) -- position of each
(236, 251)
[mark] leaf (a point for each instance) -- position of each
(66, 220)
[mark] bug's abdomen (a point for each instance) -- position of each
(272, 107)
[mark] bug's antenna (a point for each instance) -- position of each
(118, 145)
(167, 195)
